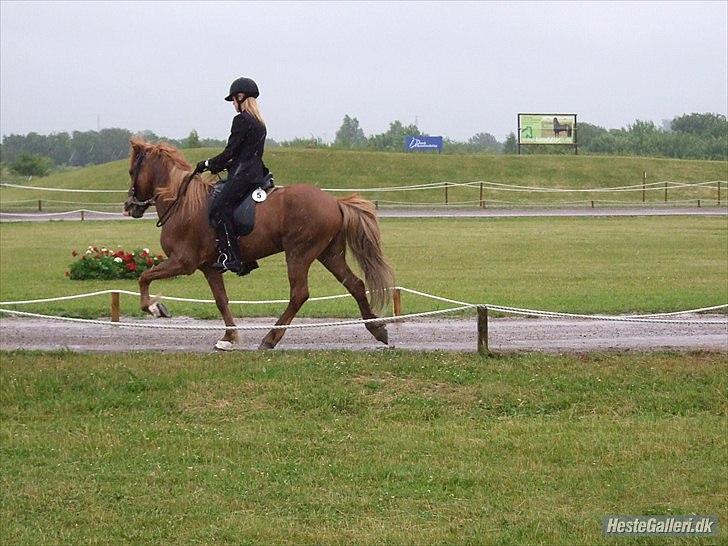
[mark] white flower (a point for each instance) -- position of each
(117, 259)
(146, 250)
(103, 250)
(89, 251)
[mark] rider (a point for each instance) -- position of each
(243, 160)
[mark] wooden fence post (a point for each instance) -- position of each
(718, 192)
(644, 182)
(482, 203)
(665, 192)
(483, 330)
(397, 302)
(82, 216)
(114, 307)
(40, 208)
(446, 193)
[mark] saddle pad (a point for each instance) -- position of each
(244, 213)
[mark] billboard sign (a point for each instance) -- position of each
(423, 143)
(547, 129)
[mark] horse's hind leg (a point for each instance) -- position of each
(217, 285)
(333, 259)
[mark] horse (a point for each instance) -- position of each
(561, 128)
(300, 220)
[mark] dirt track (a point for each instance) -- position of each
(505, 335)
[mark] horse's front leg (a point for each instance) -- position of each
(165, 270)
(217, 285)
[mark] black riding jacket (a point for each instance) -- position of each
(243, 155)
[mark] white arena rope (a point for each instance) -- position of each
(380, 320)
(459, 306)
(440, 185)
(64, 213)
(21, 187)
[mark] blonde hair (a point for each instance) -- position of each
(250, 105)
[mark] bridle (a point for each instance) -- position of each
(134, 174)
(132, 191)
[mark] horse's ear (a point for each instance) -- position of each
(137, 142)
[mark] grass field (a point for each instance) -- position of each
(356, 448)
(586, 265)
(361, 170)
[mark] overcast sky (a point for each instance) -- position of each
(457, 68)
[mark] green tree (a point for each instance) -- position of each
(511, 144)
(32, 165)
(350, 135)
(712, 125)
(586, 133)
(193, 140)
(393, 140)
(484, 142)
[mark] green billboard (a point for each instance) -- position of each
(547, 129)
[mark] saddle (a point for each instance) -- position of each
(244, 212)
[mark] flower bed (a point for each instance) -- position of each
(106, 264)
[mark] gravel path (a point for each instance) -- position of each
(505, 335)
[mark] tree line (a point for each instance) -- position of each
(690, 136)
(81, 148)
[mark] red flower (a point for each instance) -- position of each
(131, 266)
(150, 262)
(74, 253)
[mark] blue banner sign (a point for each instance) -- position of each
(422, 143)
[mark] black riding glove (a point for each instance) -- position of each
(202, 166)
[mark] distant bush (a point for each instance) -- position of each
(32, 165)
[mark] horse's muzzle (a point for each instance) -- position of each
(134, 208)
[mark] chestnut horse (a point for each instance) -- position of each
(301, 220)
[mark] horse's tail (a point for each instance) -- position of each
(361, 229)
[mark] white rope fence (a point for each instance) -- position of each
(459, 306)
(500, 186)
(63, 213)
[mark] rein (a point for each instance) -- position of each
(180, 193)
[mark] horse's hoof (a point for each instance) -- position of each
(158, 309)
(380, 334)
(223, 345)
(266, 345)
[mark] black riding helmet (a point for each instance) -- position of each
(245, 86)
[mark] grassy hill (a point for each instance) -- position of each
(360, 170)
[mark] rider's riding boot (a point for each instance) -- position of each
(229, 258)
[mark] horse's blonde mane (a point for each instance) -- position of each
(171, 165)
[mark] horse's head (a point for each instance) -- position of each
(141, 191)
